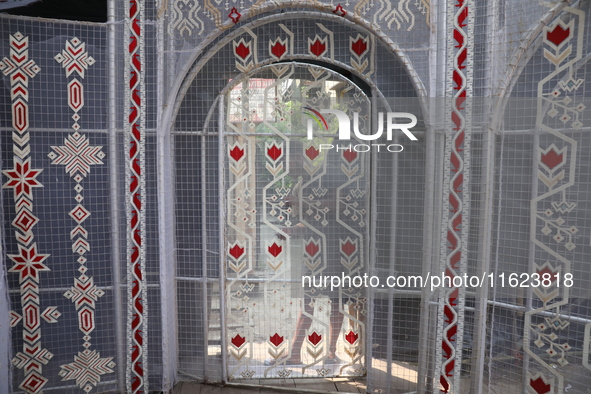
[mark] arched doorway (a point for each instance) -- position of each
(224, 151)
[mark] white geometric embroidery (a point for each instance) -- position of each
(87, 368)
(77, 154)
(74, 57)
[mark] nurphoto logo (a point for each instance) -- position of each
(392, 119)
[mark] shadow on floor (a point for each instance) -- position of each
(269, 386)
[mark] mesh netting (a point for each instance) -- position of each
(250, 187)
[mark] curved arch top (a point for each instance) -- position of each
(409, 15)
(356, 53)
(527, 48)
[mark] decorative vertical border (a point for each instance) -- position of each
(22, 178)
(313, 216)
(455, 223)
(352, 215)
(240, 220)
(278, 156)
(137, 360)
(77, 155)
(550, 231)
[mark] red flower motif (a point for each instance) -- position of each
(238, 341)
(278, 49)
(547, 270)
(552, 159)
(339, 10)
(312, 248)
(276, 340)
(558, 35)
(351, 337)
(312, 153)
(237, 153)
(348, 248)
(242, 50)
(540, 385)
(234, 15)
(314, 338)
(359, 46)
(349, 155)
(274, 152)
(236, 251)
(275, 249)
(318, 48)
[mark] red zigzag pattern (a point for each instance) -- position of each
(137, 323)
(455, 230)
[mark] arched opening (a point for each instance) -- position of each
(229, 118)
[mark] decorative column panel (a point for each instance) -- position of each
(241, 222)
(455, 223)
(22, 179)
(137, 360)
(77, 155)
(552, 214)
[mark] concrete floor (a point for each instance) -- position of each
(327, 385)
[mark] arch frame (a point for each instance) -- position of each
(522, 55)
(171, 103)
(193, 65)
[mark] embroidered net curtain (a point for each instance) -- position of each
(498, 184)
(63, 132)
